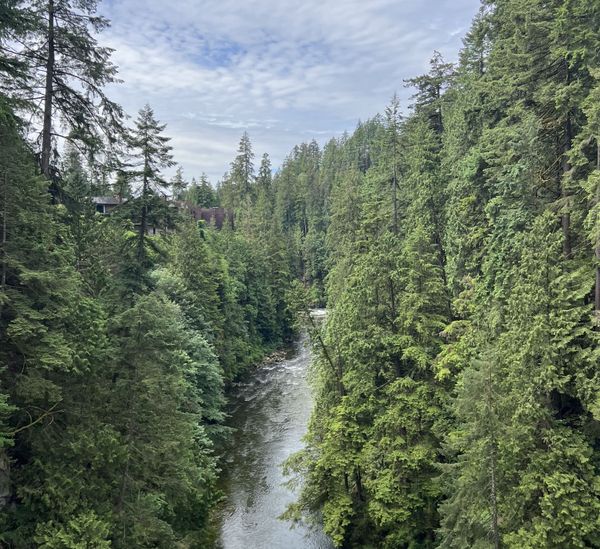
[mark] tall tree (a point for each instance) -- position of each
(393, 121)
(430, 89)
(15, 21)
(67, 70)
(178, 184)
(237, 189)
(242, 168)
(152, 153)
(264, 179)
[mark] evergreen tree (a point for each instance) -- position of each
(456, 248)
(237, 189)
(39, 332)
(242, 168)
(62, 57)
(152, 154)
(202, 194)
(178, 184)
(165, 468)
(430, 89)
(207, 193)
(15, 21)
(264, 180)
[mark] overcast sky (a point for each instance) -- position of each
(286, 71)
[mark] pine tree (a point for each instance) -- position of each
(166, 469)
(264, 180)
(393, 122)
(207, 193)
(238, 187)
(586, 160)
(242, 168)
(178, 184)
(15, 21)
(37, 309)
(152, 154)
(430, 89)
(62, 58)
(122, 186)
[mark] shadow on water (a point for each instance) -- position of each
(270, 413)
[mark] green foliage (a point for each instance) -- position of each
(55, 53)
(115, 347)
(84, 531)
(458, 369)
(238, 187)
(457, 249)
(201, 194)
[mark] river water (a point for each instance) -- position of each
(270, 413)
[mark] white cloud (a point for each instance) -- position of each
(273, 67)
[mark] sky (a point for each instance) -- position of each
(284, 71)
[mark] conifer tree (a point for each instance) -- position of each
(165, 468)
(178, 184)
(430, 89)
(264, 178)
(15, 21)
(242, 168)
(237, 190)
(206, 193)
(152, 154)
(38, 338)
(69, 69)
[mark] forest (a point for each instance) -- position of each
(454, 240)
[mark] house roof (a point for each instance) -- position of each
(108, 200)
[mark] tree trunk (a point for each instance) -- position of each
(144, 217)
(597, 296)
(494, 501)
(393, 311)
(4, 228)
(359, 486)
(4, 479)
(338, 372)
(395, 193)
(47, 128)
(565, 168)
(493, 463)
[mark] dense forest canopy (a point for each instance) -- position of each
(455, 244)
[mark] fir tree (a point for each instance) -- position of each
(178, 185)
(152, 154)
(62, 58)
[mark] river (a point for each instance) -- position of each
(270, 413)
